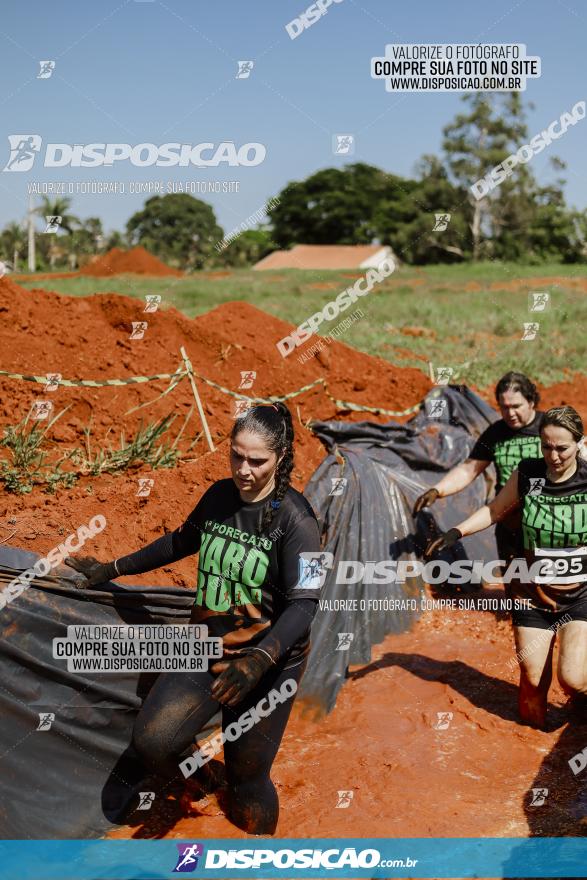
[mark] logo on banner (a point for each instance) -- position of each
(187, 861)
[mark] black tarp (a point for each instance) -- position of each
(386, 468)
(70, 781)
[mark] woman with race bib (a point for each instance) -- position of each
(551, 495)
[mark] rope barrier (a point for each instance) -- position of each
(181, 373)
(93, 383)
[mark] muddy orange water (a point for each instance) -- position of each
(409, 779)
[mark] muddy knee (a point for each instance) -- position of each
(572, 680)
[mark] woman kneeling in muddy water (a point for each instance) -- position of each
(256, 593)
(552, 495)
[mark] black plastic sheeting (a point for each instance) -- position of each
(386, 468)
(70, 781)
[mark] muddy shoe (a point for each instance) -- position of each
(205, 781)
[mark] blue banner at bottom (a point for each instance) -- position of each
(260, 857)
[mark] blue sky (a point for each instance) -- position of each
(164, 71)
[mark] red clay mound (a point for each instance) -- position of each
(570, 393)
(88, 338)
(138, 261)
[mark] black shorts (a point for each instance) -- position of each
(571, 605)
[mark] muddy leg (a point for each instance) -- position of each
(536, 647)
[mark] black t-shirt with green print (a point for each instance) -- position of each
(246, 580)
(507, 447)
(554, 515)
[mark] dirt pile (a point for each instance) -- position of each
(89, 338)
(138, 261)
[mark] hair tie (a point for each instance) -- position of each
(275, 504)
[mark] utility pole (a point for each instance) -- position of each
(31, 227)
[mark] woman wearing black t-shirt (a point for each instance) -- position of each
(256, 591)
(551, 494)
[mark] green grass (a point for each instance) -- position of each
(26, 464)
(478, 329)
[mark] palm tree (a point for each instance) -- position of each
(116, 239)
(14, 242)
(86, 240)
(58, 207)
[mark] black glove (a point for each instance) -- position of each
(447, 539)
(425, 500)
(239, 675)
(94, 572)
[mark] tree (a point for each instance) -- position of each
(406, 220)
(554, 232)
(335, 206)
(247, 248)
(13, 241)
(58, 207)
(116, 239)
(86, 240)
(478, 140)
(177, 228)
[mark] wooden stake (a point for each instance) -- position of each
(192, 379)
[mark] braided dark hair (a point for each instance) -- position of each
(274, 424)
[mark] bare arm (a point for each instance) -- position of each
(456, 479)
(506, 501)
(460, 476)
